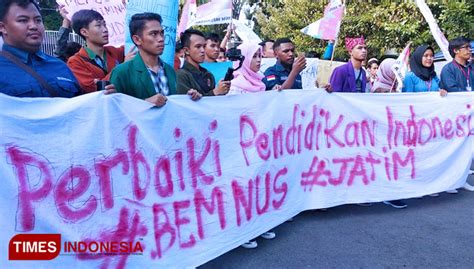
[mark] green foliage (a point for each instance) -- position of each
(215, 28)
(52, 20)
(287, 18)
(457, 18)
(388, 25)
(384, 24)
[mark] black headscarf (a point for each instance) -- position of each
(425, 73)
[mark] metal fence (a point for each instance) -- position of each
(51, 37)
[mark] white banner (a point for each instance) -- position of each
(188, 16)
(245, 33)
(180, 185)
(214, 12)
(113, 12)
(435, 31)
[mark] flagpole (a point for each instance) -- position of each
(334, 48)
(337, 36)
(230, 29)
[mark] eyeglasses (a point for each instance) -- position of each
(468, 47)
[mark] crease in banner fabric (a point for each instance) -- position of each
(128, 185)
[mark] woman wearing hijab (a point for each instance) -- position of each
(422, 77)
(386, 80)
(248, 80)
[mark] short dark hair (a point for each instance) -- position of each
(186, 37)
(264, 42)
(178, 46)
(69, 50)
(5, 6)
(83, 18)
(457, 43)
(213, 37)
(138, 21)
(280, 41)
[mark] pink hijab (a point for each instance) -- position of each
(245, 78)
(385, 76)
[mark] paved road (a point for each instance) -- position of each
(433, 232)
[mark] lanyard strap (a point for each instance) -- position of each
(358, 77)
(428, 84)
(463, 72)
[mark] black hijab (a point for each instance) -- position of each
(425, 73)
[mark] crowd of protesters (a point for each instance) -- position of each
(142, 74)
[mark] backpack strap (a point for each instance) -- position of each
(30, 71)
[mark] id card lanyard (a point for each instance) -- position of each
(428, 84)
(467, 76)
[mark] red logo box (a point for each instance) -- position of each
(34, 247)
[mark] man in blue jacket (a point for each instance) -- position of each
(458, 76)
(285, 74)
(26, 71)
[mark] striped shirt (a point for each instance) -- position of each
(159, 80)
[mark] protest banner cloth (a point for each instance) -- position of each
(214, 12)
(324, 71)
(168, 11)
(180, 185)
(113, 12)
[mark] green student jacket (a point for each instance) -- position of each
(132, 78)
